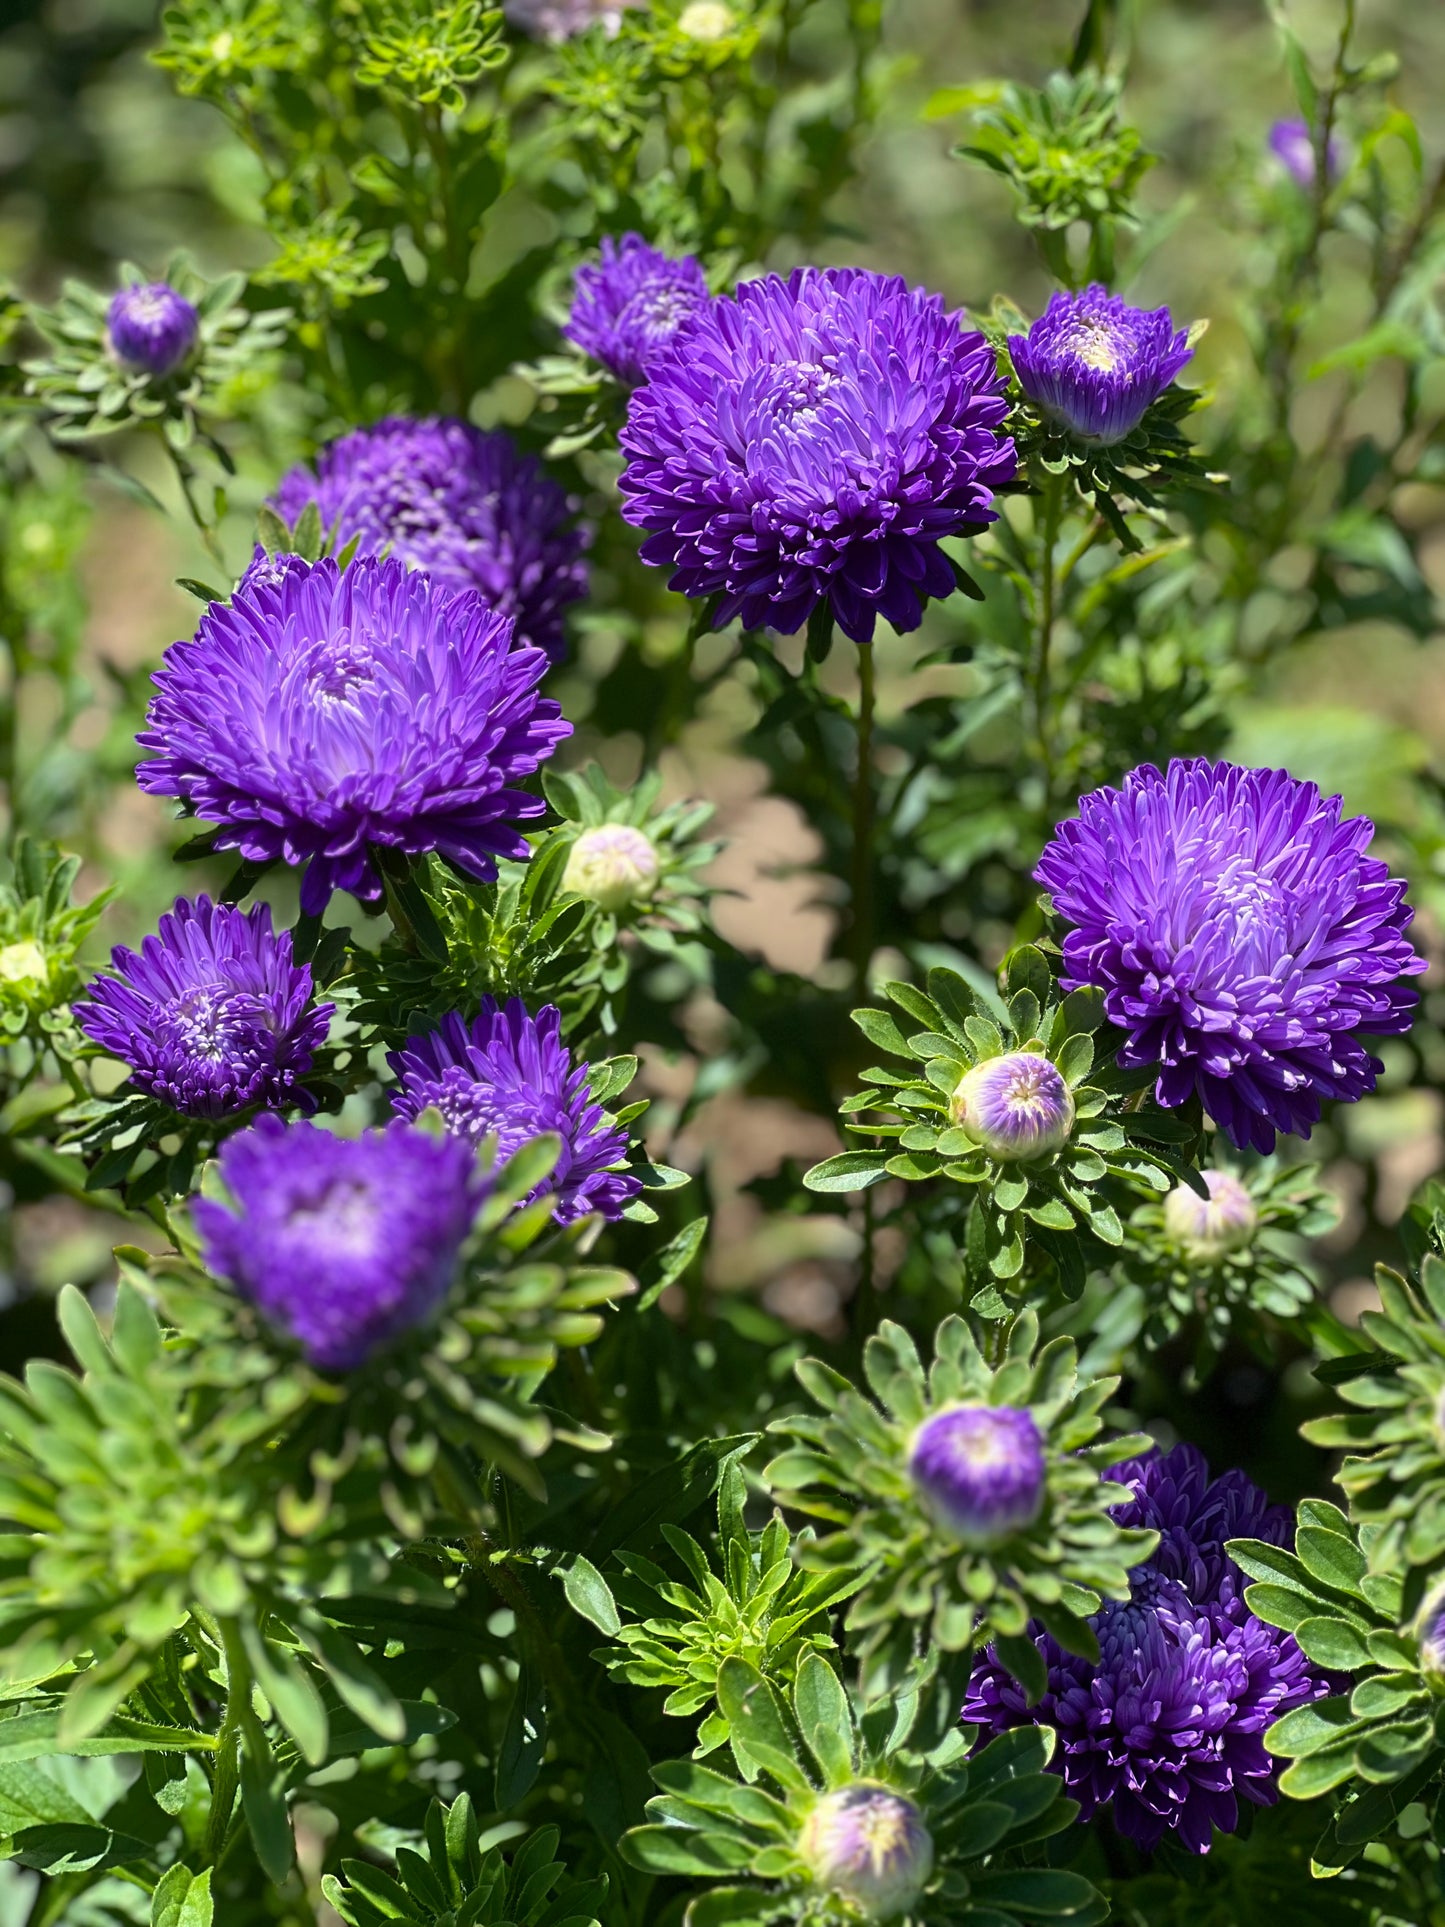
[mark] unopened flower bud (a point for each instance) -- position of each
(152, 329)
(1209, 1228)
(980, 1470)
(1293, 146)
(868, 1845)
(1016, 1106)
(25, 965)
(706, 20)
(613, 865)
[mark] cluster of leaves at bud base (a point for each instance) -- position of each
(761, 1607)
(1382, 1736)
(459, 1876)
(1394, 1471)
(41, 930)
(1110, 1154)
(793, 1752)
(87, 392)
(1165, 1287)
(920, 1586)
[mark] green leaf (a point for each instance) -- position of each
(183, 1899)
(1308, 1728)
(589, 1594)
(263, 1802)
(524, 1741)
(1330, 1558)
(1318, 1771)
(672, 1850)
(730, 1907)
(759, 1733)
(35, 1736)
(1024, 1660)
(848, 1171)
(1332, 1644)
(824, 1718)
(29, 1797)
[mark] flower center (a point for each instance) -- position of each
(341, 1220)
(1097, 344)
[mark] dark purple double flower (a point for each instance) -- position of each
(813, 444)
(1166, 1732)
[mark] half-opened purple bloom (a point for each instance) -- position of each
(868, 1844)
(1293, 145)
(337, 710)
(1242, 938)
(469, 508)
(628, 307)
(1165, 1734)
(151, 328)
(1016, 1106)
(816, 442)
(342, 1243)
(212, 1014)
(1095, 364)
(509, 1073)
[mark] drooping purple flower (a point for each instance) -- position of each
(212, 1014)
(1242, 938)
(818, 439)
(869, 1845)
(1210, 1227)
(1166, 1731)
(469, 508)
(341, 1243)
(1293, 145)
(980, 1470)
(1016, 1106)
(151, 329)
(628, 307)
(1095, 364)
(509, 1073)
(340, 710)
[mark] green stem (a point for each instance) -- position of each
(1049, 582)
(227, 1776)
(862, 880)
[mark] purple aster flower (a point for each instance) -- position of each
(1166, 1731)
(629, 307)
(212, 1014)
(980, 1470)
(1016, 1106)
(1430, 1637)
(265, 571)
(1241, 936)
(509, 1073)
(1293, 145)
(342, 1243)
(467, 507)
(151, 329)
(1095, 364)
(341, 709)
(819, 438)
(1211, 1227)
(868, 1844)
(559, 20)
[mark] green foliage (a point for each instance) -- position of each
(919, 1583)
(791, 1749)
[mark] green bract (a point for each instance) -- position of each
(920, 1588)
(41, 932)
(761, 1608)
(1394, 1473)
(983, 1815)
(1111, 1154)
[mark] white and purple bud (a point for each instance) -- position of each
(1293, 146)
(1016, 1106)
(613, 866)
(980, 1470)
(1209, 1228)
(868, 1845)
(151, 329)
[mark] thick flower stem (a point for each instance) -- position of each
(227, 1775)
(862, 880)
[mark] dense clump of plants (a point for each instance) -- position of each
(413, 1524)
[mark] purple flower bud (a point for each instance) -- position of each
(343, 1243)
(151, 329)
(630, 305)
(869, 1845)
(1095, 364)
(1016, 1106)
(1208, 1228)
(1293, 145)
(1430, 1638)
(612, 866)
(980, 1470)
